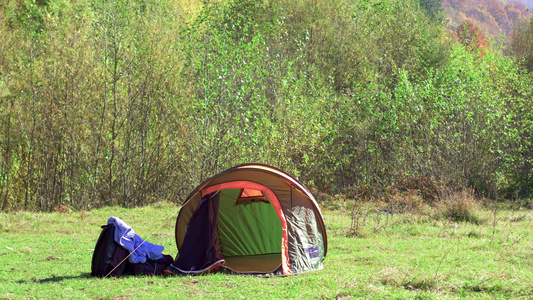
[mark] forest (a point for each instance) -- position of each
(131, 102)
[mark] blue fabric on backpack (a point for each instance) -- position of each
(127, 238)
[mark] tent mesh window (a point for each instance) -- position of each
(247, 196)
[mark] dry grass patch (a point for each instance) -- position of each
(459, 207)
(397, 278)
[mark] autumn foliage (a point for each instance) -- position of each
(495, 18)
(470, 36)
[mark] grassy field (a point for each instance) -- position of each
(415, 254)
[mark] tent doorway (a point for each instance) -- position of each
(249, 231)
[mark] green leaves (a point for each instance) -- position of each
(129, 102)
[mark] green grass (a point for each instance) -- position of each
(415, 255)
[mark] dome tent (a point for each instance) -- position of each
(250, 219)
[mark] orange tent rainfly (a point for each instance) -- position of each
(250, 219)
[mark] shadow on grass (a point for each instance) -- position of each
(56, 278)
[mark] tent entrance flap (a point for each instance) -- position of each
(200, 251)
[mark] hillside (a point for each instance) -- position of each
(496, 19)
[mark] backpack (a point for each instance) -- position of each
(109, 258)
